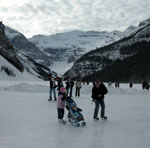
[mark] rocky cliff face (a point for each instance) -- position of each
(18, 61)
(7, 50)
(20, 42)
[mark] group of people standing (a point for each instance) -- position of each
(69, 85)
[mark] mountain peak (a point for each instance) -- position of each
(11, 33)
(130, 29)
(144, 23)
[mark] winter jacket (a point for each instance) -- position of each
(61, 101)
(78, 84)
(67, 84)
(102, 90)
(60, 84)
(52, 83)
(71, 83)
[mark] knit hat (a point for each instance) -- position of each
(73, 104)
(97, 81)
(62, 89)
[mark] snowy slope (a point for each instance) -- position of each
(28, 120)
(17, 75)
(14, 64)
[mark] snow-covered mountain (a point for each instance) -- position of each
(30, 71)
(144, 23)
(124, 60)
(15, 65)
(21, 43)
(66, 48)
(131, 29)
(61, 50)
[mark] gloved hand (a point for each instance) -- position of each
(93, 100)
(79, 109)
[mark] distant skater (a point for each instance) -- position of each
(78, 87)
(52, 88)
(131, 84)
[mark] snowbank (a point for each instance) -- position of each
(25, 87)
(124, 90)
(43, 87)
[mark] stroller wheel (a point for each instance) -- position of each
(83, 123)
(77, 124)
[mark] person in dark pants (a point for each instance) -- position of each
(67, 86)
(61, 105)
(60, 83)
(144, 84)
(130, 84)
(71, 87)
(98, 92)
(52, 88)
(78, 87)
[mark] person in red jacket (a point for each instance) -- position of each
(98, 92)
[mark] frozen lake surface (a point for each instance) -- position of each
(28, 120)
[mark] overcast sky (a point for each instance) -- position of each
(32, 17)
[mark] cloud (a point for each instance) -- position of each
(51, 16)
(3, 10)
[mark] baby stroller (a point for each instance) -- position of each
(74, 113)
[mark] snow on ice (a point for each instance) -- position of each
(28, 120)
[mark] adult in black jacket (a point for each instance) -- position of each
(52, 88)
(60, 83)
(69, 86)
(98, 92)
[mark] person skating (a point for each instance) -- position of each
(98, 92)
(130, 84)
(52, 88)
(60, 83)
(78, 87)
(71, 86)
(67, 86)
(144, 84)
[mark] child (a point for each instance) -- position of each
(74, 113)
(61, 104)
